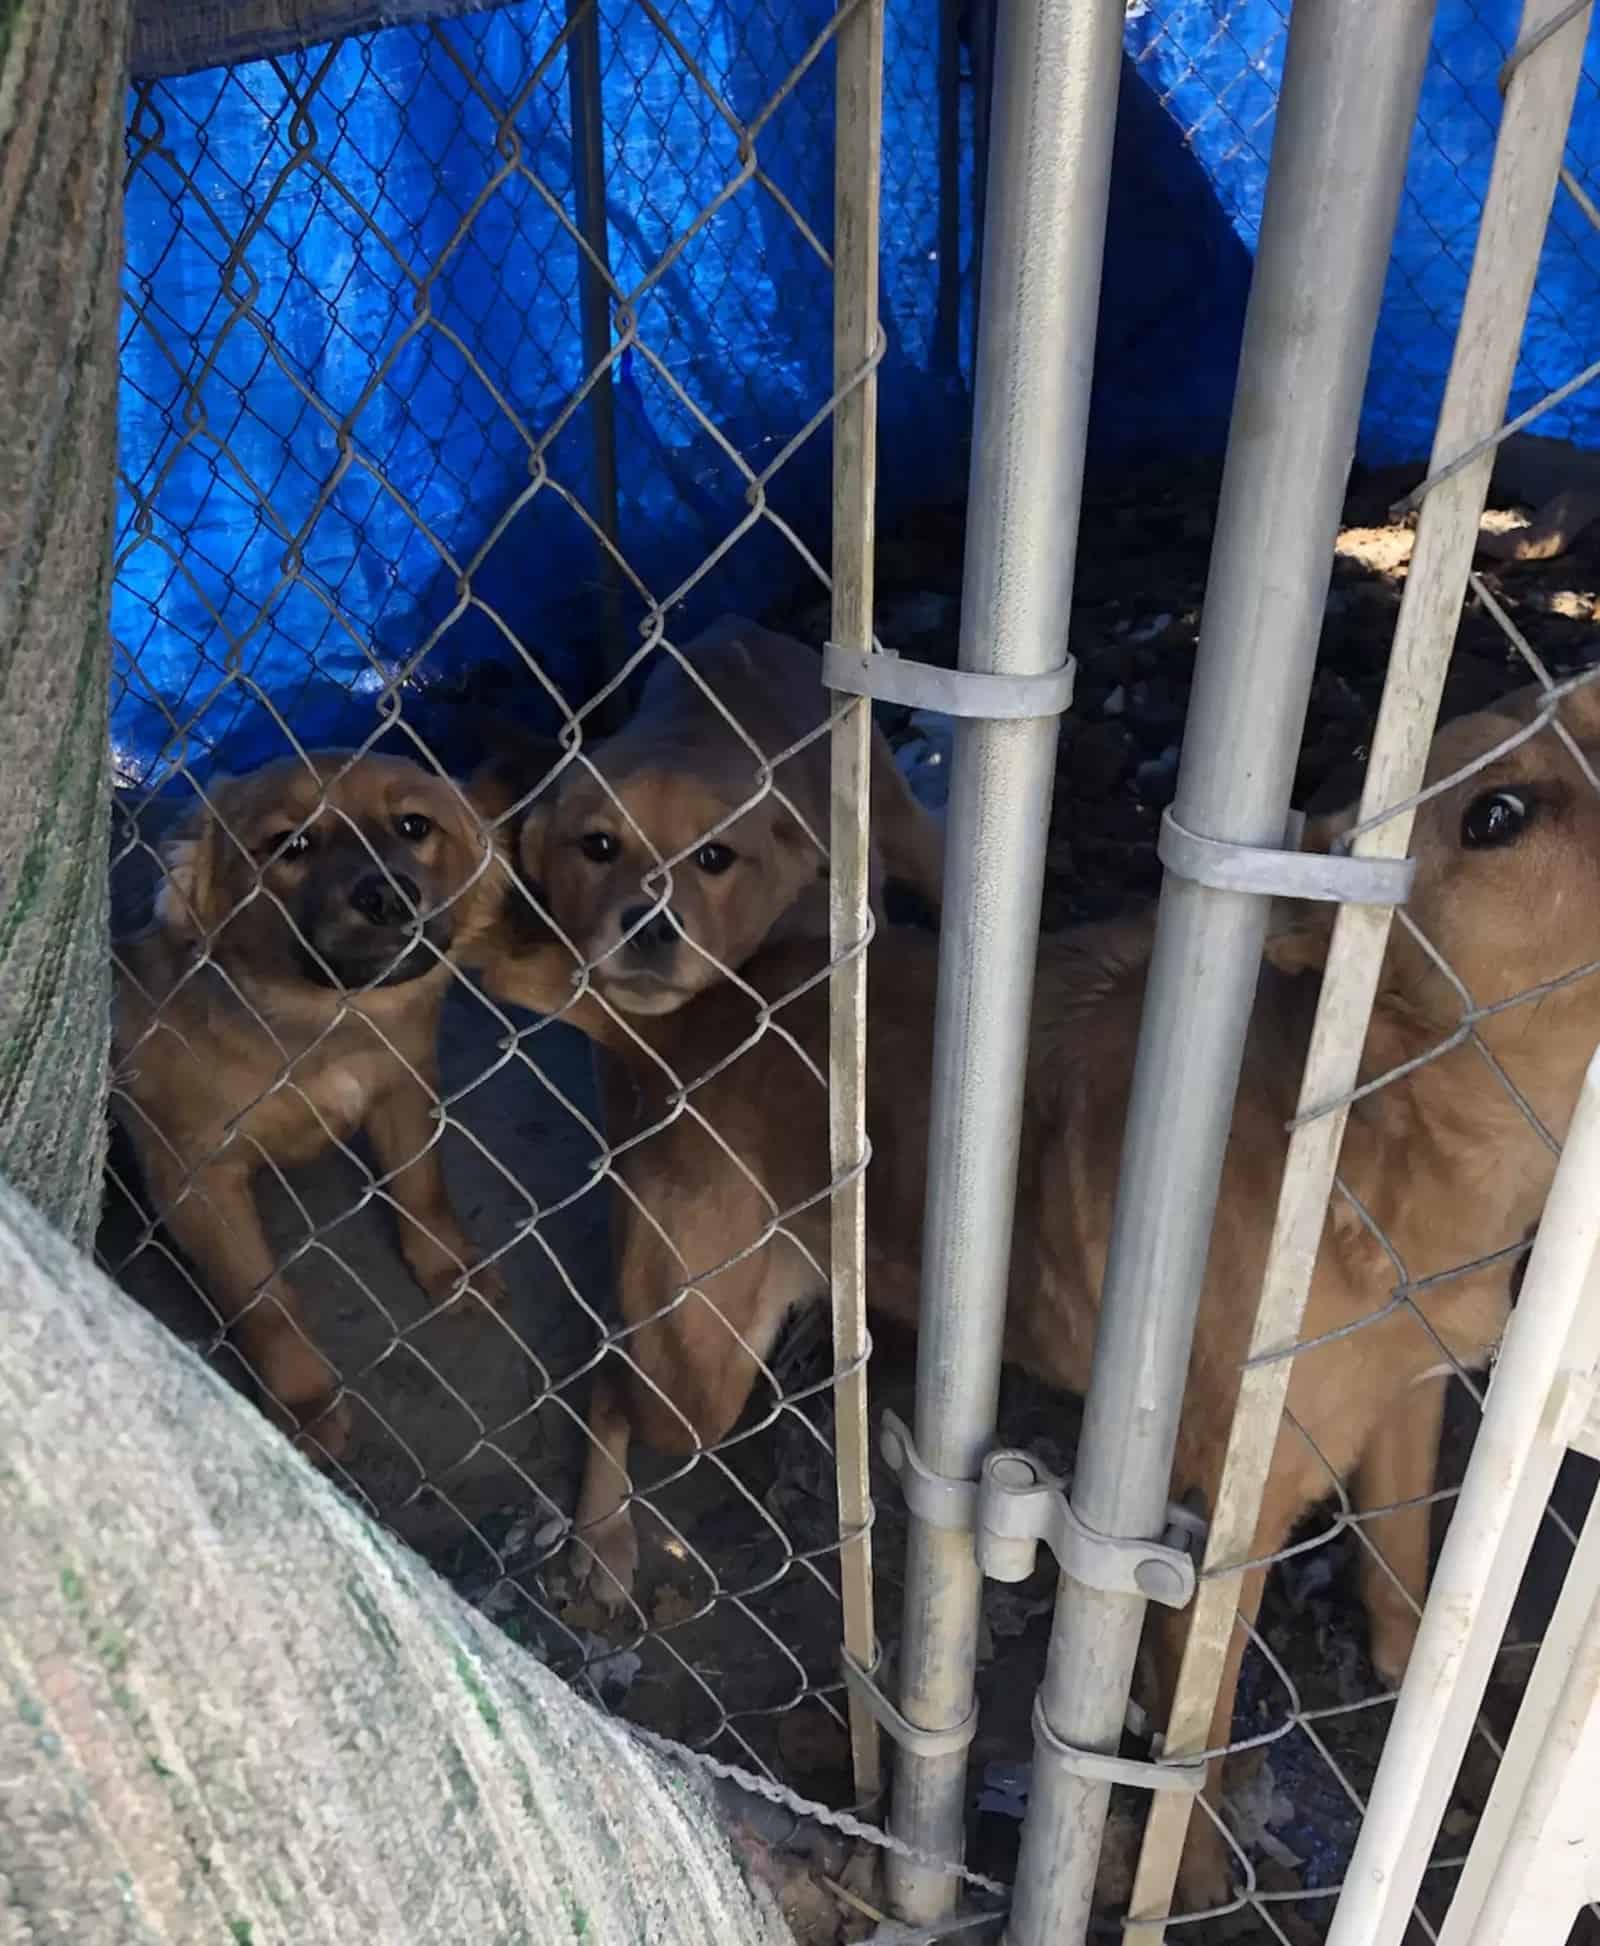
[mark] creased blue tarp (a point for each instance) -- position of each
(352, 337)
(1215, 65)
(353, 327)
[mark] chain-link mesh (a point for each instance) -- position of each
(398, 1213)
(1216, 69)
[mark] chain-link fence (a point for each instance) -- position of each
(399, 1211)
(536, 1321)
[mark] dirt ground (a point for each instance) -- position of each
(469, 1441)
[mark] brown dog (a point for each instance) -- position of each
(1442, 1158)
(678, 847)
(287, 995)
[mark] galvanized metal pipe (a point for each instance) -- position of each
(946, 349)
(586, 105)
(1054, 110)
(980, 29)
(1351, 82)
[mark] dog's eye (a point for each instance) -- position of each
(286, 844)
(599, 847)
(413, 826)
(1496, 818)
(714, 858)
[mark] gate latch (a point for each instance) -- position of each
(1014, 1504)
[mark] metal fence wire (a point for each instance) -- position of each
(459, 1406)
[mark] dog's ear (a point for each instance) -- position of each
(520, 922)
(186, 898)
(516, 763)
(1300, 931)
(519, 763)
(796, 848)
(533, 834)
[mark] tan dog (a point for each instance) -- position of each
(1443, 1159)
(669, 859)
(286, 996)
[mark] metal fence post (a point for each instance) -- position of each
(981, 28)
(1054, 109)
(586, 104)
(1352, 78)
(947, 307)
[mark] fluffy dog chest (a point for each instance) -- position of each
(311, 1103)
(340, 1093)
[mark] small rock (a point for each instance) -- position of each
(1117, 701)
(925, 758)
(1157, 708)
(1157, 780)
(612, 1672)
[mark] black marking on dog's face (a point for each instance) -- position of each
(339, 945)
(350, 973)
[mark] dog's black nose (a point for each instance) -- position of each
(386, 901)
(647, 931)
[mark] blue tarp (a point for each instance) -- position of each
(351, 475)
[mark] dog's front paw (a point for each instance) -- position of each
(605, 1561)
(325, 1432)
(302, 1382)
(448, 1278)
(489, 1283)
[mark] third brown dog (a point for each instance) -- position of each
(1442, 1158)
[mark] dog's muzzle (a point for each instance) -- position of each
(647, 933)
(374, 955)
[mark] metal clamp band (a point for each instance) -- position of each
(1015, 1504)
(950, 1505)
(1283, 874)
(975, 693)
(1138, 1774)
(863, 1684)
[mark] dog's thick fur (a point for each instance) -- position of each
(286, 996)
(681, 786)
(1441, 1157)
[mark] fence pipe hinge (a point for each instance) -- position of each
(978, 694)
(900, 1730)
(1331, 877)
(1014, 1505)
(1140, 1774)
